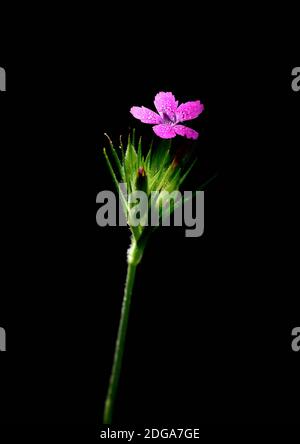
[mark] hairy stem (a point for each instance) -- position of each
(134, 256)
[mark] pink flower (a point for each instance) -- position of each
(169, 116)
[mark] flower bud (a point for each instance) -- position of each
(141, 182)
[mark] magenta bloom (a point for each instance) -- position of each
(169, 116)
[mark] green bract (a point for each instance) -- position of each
(156, 171)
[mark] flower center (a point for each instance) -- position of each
(168, 119)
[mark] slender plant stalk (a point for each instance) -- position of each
(120, 343)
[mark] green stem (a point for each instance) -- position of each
(134, 257)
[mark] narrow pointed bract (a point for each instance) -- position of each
(159, 171)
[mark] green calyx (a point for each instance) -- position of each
(157, 170)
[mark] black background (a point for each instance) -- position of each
(209, 338)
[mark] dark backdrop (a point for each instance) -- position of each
(209, 338)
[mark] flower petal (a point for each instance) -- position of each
(184, 131)
(164, 131)
(165, 103)
(189, 111)
(145, 115)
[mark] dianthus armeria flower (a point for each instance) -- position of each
(153, 177)
(170, 115)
